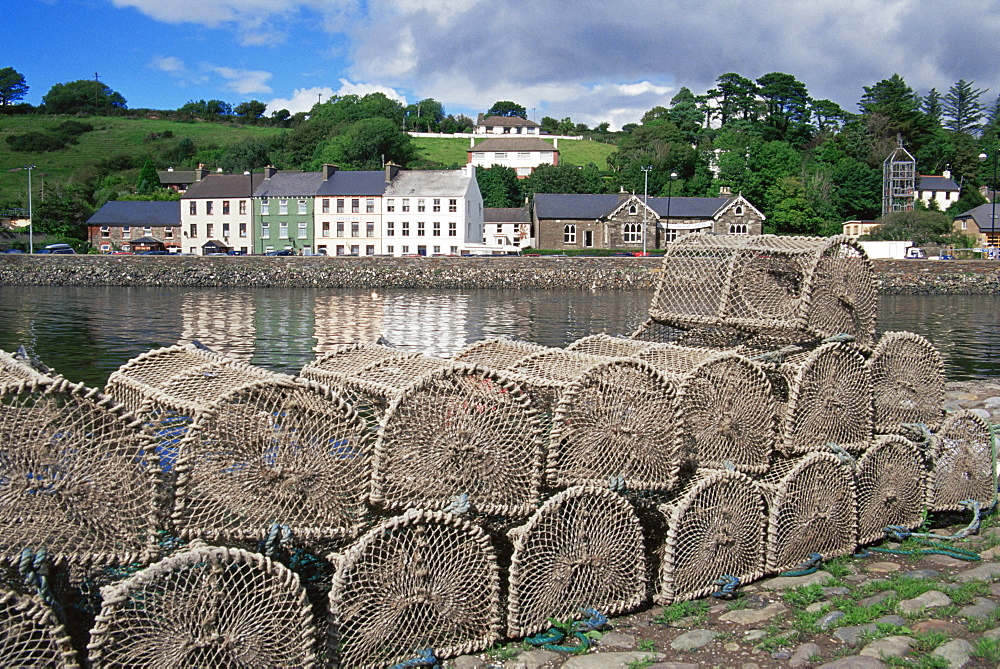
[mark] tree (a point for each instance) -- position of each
(85, 96)
(550, 125)
(736, 97)
(828, 115)
(460, 123)
(963, 111)
(932, 105)
(507, 108)
(248, 155)
(251, 110)
(12, 86)
(499, 186)
(365, 144)
(148, 180)
(893, 108)
(787, 103)
(687, 114)
(919, 227)
(564, 179)
(212, 109)
(426, 114)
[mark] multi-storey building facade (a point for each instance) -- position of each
(348, 211)
(117, 226)
(217, 214)
(522, 154)
(283, 211)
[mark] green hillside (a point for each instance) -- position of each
(447, 151)
(112, 136)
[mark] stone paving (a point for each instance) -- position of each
(887, 610)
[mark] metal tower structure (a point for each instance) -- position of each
(899, 174)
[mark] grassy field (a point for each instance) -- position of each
(111, 136)
(447, 151)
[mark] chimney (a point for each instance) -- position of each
(270, 171)
(391, 170)
(470, 171)
(725, 192)
(170, 169)
(555, 142)
(201, 172)
(218, 170)
(946, 174)
(472, 142)
(328, 170)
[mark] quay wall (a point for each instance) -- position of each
(516, 273)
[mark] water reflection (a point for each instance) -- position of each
(86, 333)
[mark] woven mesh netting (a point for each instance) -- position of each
(278, 450)
(547, 374)
(423, 581)
(964, 457)
(460, 430)
(819, 286)
(892, 487)
(77, 475)
(727, 407)
(498, 353)
(15, 367)
(618, 420)
(349, 360)
(716, 527)
(908, 382)
(606, 345)
(582, 549)
(829, 392)
(812, 508)
(31, 636)
(206, 607)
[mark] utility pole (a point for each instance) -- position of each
(97, 92)
(31, 223)
(645, 207)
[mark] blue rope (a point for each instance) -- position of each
(277, 536)
(424, 658)
(34, 569)
(459, 505)
(810, 566)
(596, 621)
(728, 587)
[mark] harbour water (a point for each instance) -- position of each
(86, 333)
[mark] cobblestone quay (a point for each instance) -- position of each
(520, 273)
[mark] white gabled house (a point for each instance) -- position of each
(217, 214)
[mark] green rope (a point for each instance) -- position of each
(727, 589)
(550, 639)
(34, 569)
(810, 566)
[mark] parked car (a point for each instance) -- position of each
(59, 249)
(282, 252)
(155, 253)
(120, 253)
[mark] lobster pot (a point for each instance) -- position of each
(31, 635)
(17, 367)
(206, 607)
(459, 432)
(716, 527)
(78, 477)
(350, 359)
(812, 285)
(892, 487)
(812, 508)
(545, 375)
(498, 353)
(608, 346)
(727, 410)
(373, 388)
(908, 382)
(582, 549)
(618, 420)
(827, 395)
(422, 581)
(963, 458)
(277, 450)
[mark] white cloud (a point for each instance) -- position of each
(168, 64)
(244, 82)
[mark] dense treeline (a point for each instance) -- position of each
(806, 163)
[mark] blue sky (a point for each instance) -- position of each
(593, 60)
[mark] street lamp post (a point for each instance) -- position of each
(670, 188)
(993, 199)
(645, 207)
(31, 221)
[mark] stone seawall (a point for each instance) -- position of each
(616, 273)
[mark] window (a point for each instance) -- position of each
(670, 236)
(225, 229)
(437, 229)
(523, 155)
(326, 206)
(406, 204)
(738, 210)
(355, 206)
(282, 207)
(632, 233)
(243, 229)
(965, 224)
(225, 207)
(340, 249)
(738, 229)
(406, 229)
(390, 249)
(302, 207)
(452, 229)
(390, 229)
(454, 250)
(105, 231)
(478, 155)
(420, 205)
(569, 234)
(404, 249)
(453, 205)
(243, 207)
(354, 249)
(340, 205)
(370, 228)
(500, 155)
(370, 205)
(633, 210)
(326, 229)
(354, 228)
(105, 248)
(303, 229)
(437, 204)
(193, 233)
(390, 205)
(209, 208)
(499, 228)
(268, 249)
(369, 250)
(437, 249)
(265, 229)
(340, 228)
(168, 233)
(147, 230)
(524, 171)
(265, 207)
(193, 208)
(282, 230)
(209, 229)
(421, 231)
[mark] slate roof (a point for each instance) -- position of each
(981, 215)
(170, 177)
(138, 214)
(506, 215)
(937, 183)
(513, 143)
(507, 121)
(223, 185)
(290, 184)
(362, 182)
(144, 241)
(581, 206)
(443, 183)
